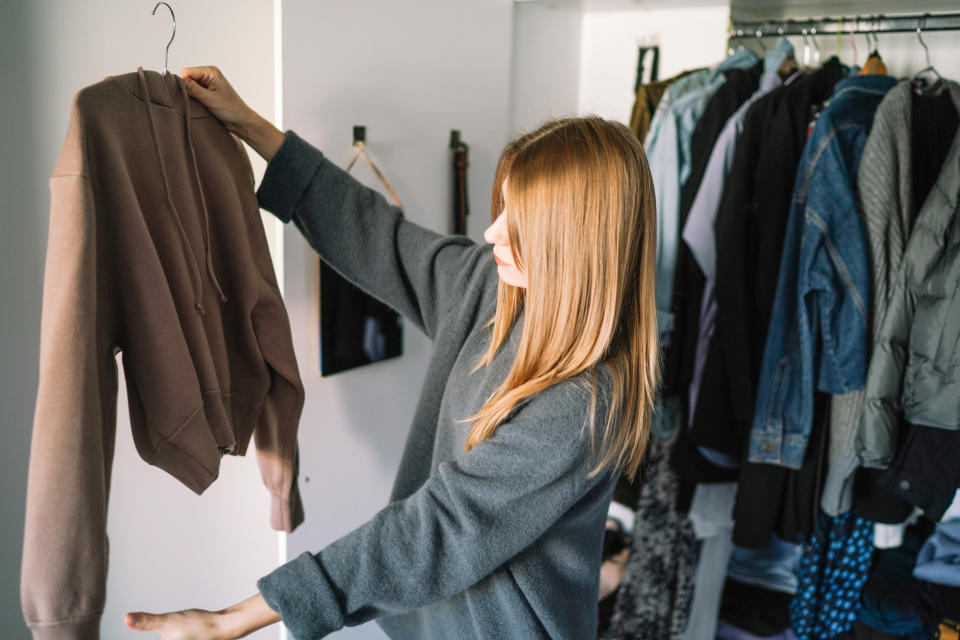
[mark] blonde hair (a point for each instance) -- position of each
(582, 224)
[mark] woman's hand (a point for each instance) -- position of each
(192, 624)
(237, 621)
(209, 86)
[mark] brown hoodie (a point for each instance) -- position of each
(156, 250)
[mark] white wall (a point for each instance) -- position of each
(581, 57)
(410, 71)
(689, 37)
(546, 63)
(169, 548)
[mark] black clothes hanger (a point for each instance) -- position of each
(654, 66)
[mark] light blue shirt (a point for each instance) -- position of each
(690, 82)
(670, 167)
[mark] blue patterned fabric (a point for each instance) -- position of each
(833, 569)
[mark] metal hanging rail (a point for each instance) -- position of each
(845, 25)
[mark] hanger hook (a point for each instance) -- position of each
(759, 35)
(166, 55)
(806, 47)
(813, 38)
(923, 21)
(853, 41)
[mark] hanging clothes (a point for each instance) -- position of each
(833, 569)
(914, 362)
(724, 397)
(797, 201)
(698, 231)
(670, 167)
(755, 611)
(711, 151)
(657, 589)
(820, 312)
(750, 226)
(926, 470)
(682, 84)
(712, 505)
(156, 250)
(895, 602)
(886, 201)
(648, 97)
(738, 86)
(688, 281)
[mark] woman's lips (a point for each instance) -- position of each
(499, 261)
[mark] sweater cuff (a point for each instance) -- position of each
(287, 175)
(303, 596)
(88, 629)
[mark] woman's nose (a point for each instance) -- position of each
(496, 233)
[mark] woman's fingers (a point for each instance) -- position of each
(205, 76)
(209, 86)
(141, 621)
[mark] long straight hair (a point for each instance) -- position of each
(582, 224)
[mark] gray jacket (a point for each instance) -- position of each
(915, 364)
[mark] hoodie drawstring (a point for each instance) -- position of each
(184, 240)
(203, 199)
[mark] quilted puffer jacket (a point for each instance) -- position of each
(915, 364)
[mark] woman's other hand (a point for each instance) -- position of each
(209, 86)
(233, 622)
(192, 624)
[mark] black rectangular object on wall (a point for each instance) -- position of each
(355, 329)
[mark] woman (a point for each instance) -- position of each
(538, 394)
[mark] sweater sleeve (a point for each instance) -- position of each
(472, 515)
(416, 271)
(64, 568)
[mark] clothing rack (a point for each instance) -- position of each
(845, 25)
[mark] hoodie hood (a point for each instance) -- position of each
(163, 92)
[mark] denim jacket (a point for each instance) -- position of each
(818, 333)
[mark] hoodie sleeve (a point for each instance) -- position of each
(63, 576)
(418, 272)
(275, 431)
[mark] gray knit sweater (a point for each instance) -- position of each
(501, 542)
